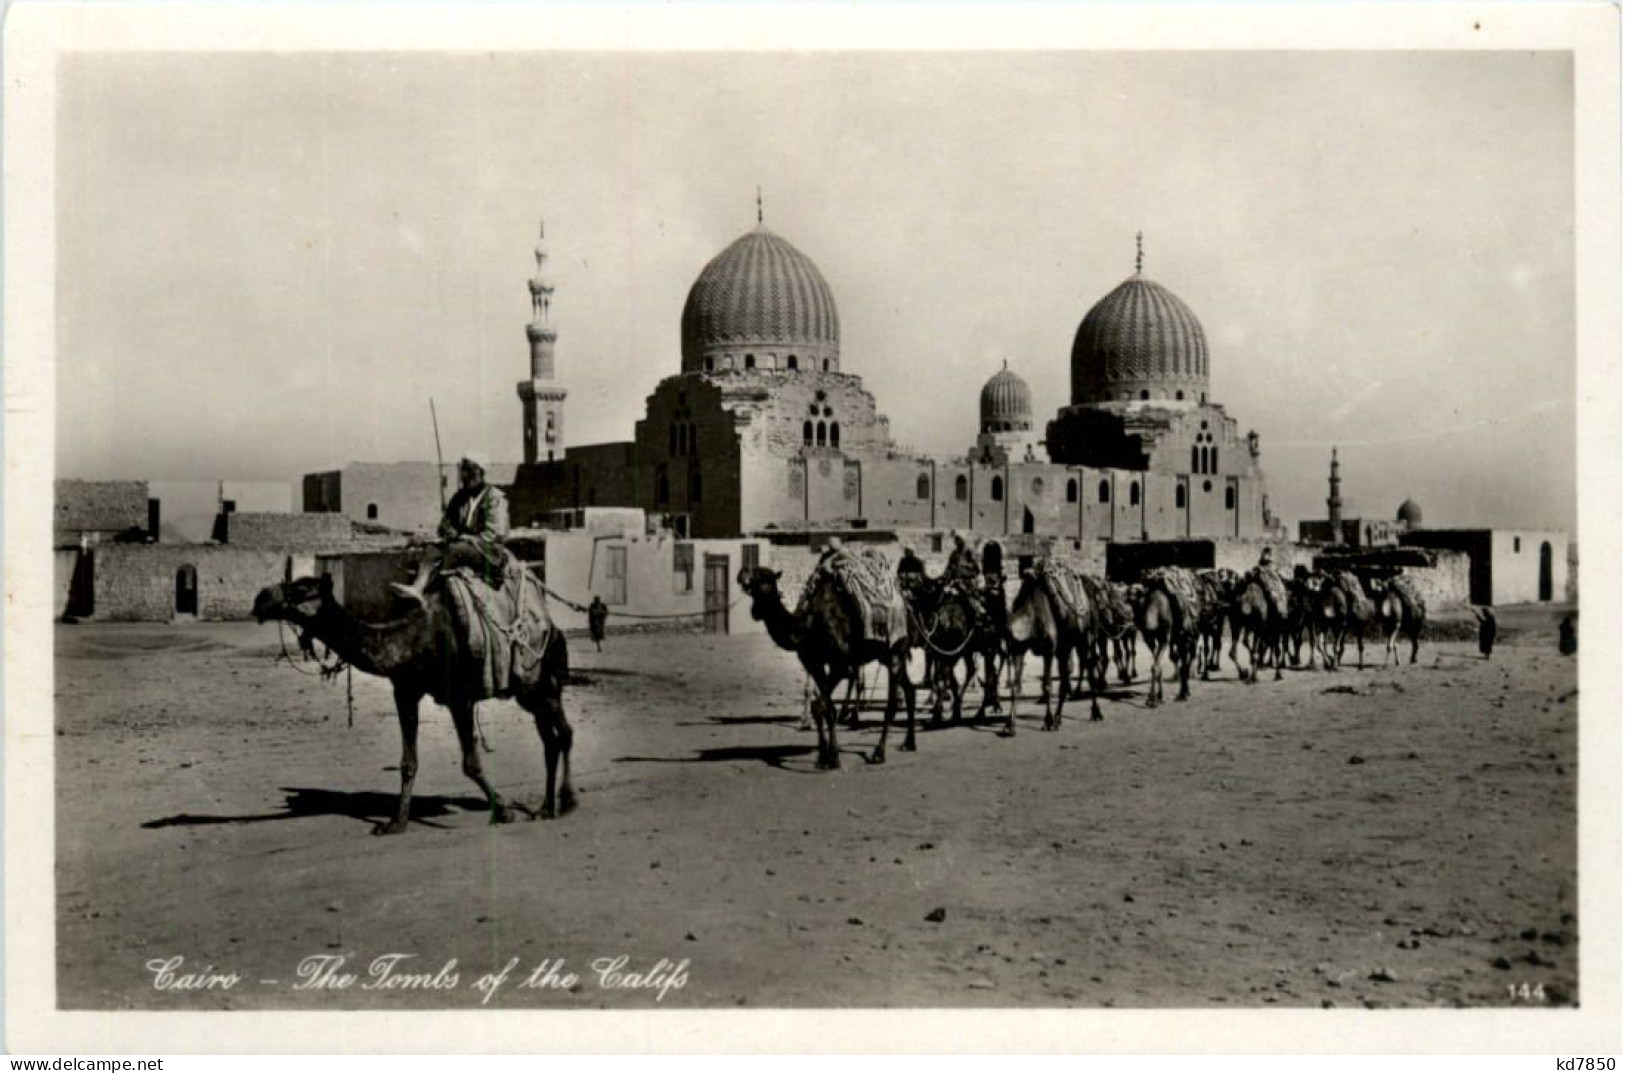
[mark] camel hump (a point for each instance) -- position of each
(1182, 590)
(1405, 589)
(867, 578)
(504, 630)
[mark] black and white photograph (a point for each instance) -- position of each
(750, 523)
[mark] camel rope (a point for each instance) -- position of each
(326, 671)
(926, 635)
(575, 606)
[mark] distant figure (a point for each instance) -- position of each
(1266, 558)
(1568, 637)
(597, 616)
(1486, 629)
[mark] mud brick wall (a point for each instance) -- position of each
(136, 582)
(99, 506)
(305, 531)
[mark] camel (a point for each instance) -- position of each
(423, 654)
(826, 633)
(1257, 623)
(1168, 627)
(1114, 639)
(1044, 622)
(957, 626)
(1401, 609)
(1218, 589)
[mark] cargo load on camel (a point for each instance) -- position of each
(867, 578)
(1274, 587)
(1069, 591)
(504, 630)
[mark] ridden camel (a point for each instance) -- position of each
(1043, 623)
(1256, 624)
(422, 655)
(826, 633)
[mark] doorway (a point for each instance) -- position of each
(186, 590)
(716, 594)
(1028, 522)
(1546, 572)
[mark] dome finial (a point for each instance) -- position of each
(758, 206)
(1139, 251)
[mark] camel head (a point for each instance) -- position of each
(298, 600)
(762, 586)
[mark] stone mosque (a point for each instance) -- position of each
(763, 429)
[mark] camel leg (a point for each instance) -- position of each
(824, 714)
(907, 687)
(879, 755)
(1044, 684)
(547, 706)
(406, 709)
(1416, 642)
(462, 717)
(1014, 664)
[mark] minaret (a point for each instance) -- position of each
(1334, 502)
(541, 396)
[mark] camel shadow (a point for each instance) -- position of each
(368, 806)
(774, 756)
(744, 720)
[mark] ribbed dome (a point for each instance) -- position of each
(1007, 402)
(763, 298)
(1410, 512)
(1140, 341)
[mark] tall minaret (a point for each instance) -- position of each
(542, 397)
(1334, 502)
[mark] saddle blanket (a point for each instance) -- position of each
(503, 630)
(867, 577)
(1274, 589)
(1180, 585)
(1064, 584)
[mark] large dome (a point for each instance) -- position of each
(1410, 512)
(1007, 403)
(762, 304)
(1139, 342)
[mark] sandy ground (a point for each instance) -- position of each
(1380, 838)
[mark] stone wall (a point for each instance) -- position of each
(1443, 577)
(103, 507)
(307, 532)
(137, 582)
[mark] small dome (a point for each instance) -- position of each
(1007, 402)
(1410, 512)
(1140, 341)
(760, 294)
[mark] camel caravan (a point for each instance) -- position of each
(855, 610)
(478, 629)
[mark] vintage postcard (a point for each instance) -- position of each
(1060, 528)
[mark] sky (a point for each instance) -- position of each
(268, 264)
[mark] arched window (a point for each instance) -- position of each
(1144, 394)
(672, 436)
(1180, 395)
(1038, 486)
(1213, 460)
(998, 489)
(790, 362)
(662, 489)
(961, 488)
(1072, 490)
(826, 365)
(710, 364)
(807, 433)
(834, 433)
(822, 434)
(1134, 493)
(1207, 486)
(694, 486)
(922, 487)
(1179, 497)
(1196, 459)
(1230, 498)
(693, 440)
(750, 361)
(372, 512)
(1105, 491)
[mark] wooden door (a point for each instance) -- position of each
(716, 594)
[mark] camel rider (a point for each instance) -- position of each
(910, 571)
(962, 566)
(471, 530)
(1266, 559)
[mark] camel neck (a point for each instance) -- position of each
(374, 649)
(781, 624)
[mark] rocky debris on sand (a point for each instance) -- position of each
(937, 915)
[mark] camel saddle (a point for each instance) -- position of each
(1404, 586)
(1352, 588)
(504, 630)
(1274, 587)
(1183, 593)
(1062, 582)
(867, 577)
(1110, 605)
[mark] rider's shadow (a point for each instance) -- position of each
(774, 756)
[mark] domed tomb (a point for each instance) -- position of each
(1140, 342)
(1007, 403)
(761, 304)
